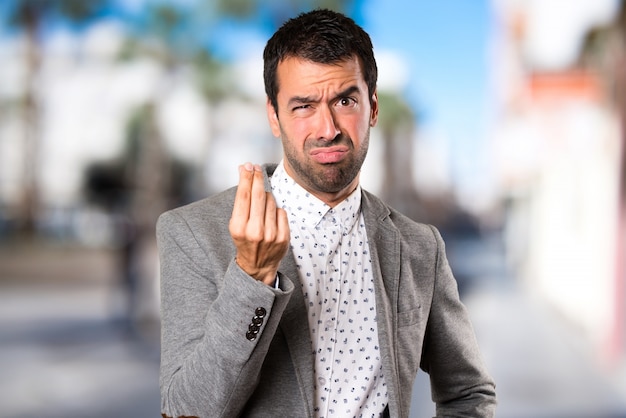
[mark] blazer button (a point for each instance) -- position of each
(255, 326)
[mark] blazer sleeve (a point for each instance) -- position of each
(210, 362)
(460, 384)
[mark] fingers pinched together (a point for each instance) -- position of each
(259, 229)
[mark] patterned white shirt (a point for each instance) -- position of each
(332, 254)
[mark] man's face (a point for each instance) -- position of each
(323, 119)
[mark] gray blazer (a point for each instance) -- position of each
(209, 368)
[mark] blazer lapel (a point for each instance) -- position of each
(295, 327)
(384, 244)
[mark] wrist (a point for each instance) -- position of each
(262, 274)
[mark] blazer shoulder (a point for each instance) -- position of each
(212, 210)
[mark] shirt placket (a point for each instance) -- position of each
(330, 311)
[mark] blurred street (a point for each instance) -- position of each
(65, 352)
(65, 349)
(542, 367)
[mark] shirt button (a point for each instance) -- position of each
(260, 312)
(329, 324)
(321, 381)
(257, 320)
(251, 336)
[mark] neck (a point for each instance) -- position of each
(332, 199)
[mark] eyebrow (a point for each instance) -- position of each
(298, 100)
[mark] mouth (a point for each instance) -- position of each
(329, 155)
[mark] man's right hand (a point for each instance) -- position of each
(259, 229)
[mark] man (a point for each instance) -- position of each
(297, 293)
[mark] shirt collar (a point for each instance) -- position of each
(303, 207)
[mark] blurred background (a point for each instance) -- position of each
(501, 122)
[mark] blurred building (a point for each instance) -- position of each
(117, 141)
(559, 141)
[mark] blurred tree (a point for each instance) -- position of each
(170, 34)
(604, 54)
(33, 18)
(178, 36)
(278, 11)
(397, 123)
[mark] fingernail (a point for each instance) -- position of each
(248, 167)
(257, 167)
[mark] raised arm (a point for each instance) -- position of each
(217, 320)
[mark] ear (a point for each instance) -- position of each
(273, 118)
(374, 112)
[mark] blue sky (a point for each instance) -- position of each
(445, 45)
(444, 42)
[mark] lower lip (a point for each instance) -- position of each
(329, 157)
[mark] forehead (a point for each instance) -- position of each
(297, 75)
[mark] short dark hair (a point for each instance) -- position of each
(321, 36)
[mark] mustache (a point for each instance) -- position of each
(338, 140)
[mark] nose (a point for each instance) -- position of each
(327, 128)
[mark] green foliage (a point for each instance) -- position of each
(237, 8)
(213, 77)
(394, 111)
(31, 13)
(277, 10)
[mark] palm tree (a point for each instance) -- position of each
(175, 35)
(278, 10)
(397, 123)
(30, 17)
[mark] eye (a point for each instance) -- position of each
(346, 102)
(301, 107)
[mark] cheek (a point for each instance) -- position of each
(298, 130)
(359, 129)
(291, 137)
